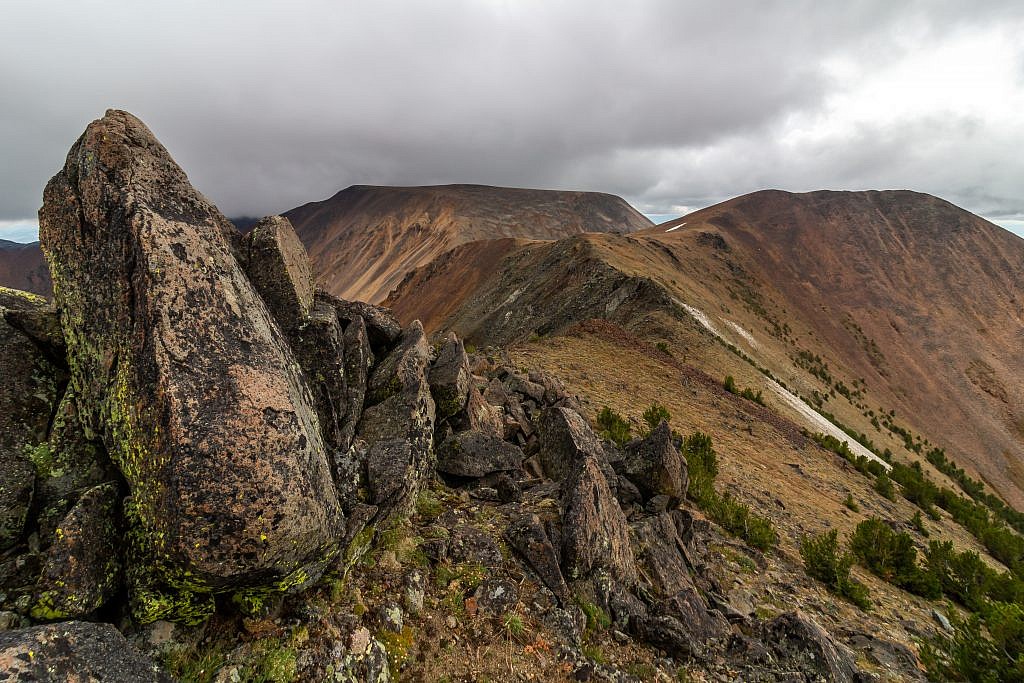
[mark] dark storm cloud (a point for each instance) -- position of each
(668, 103)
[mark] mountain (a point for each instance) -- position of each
(364, 239)
(912, 304)
(22, 267)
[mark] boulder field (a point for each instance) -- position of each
(191, 428)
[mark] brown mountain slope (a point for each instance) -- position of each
(863, 303)
(365, 239)
(22, 267)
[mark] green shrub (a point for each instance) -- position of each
(918, 523)
(824, 561)
(655, 414)
(966, 655)
(850, 503)
(702, 463)
(891, 555)
(732, 515)
(749, 394)
(614, 426)
(884, 487)
(663, 347)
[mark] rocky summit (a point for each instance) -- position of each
(212, 470)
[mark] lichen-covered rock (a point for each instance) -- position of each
(476, 454)
(656, 466)
(801, 645)
(28, 393)
(37, 319)
(479, 415)
(358, 363)
(73, 651)
(398, 425)
(450, 377)
(382, 327)
(364, 661)
(595, 534)
(279, 269)
(565, 440)
(497, 595)
(177, 364)
(318, 343)
(527, 536)
(83, 565)
(71, 464)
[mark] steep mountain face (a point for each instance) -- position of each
(364, 240)
(22, 267)
(912, 304)
(917, 296)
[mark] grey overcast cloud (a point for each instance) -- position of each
(673, 105)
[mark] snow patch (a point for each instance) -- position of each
(698, 315)
(817, 421)
(675, 227)
(822, 424)
(740, 330)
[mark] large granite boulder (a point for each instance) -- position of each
(178, 366)
(28, 394)
(73, 651)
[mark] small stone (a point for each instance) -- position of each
(415, 591)
(497, 596)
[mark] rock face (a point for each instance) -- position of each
(565, 439)
(595, 533)
(397, 424)
(476, 454)
(279, 269)
(178, 366)
(27, 393)
(656, 467)
(82, 569)
(73, 651)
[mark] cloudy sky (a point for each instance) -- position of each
(674, 105)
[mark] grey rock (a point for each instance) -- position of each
(318, 342)
(358, 363)
(527, 536)
(382, 327)
(450, 377)
(497, 595)
(656, 466)
(565, 440)
(398, 425)
(476, 454)
(73, 651)
(595, 532)
(83, 565)
(279, 268)
(469, 544)
(800, 644)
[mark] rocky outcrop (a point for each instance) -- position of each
(397, 425)
(28, 394)
(73, 651)
(83, 568)
(180, 369)
(477, 454)
(655, 466)
(565, 440)
(450, 377)
(278, 267)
